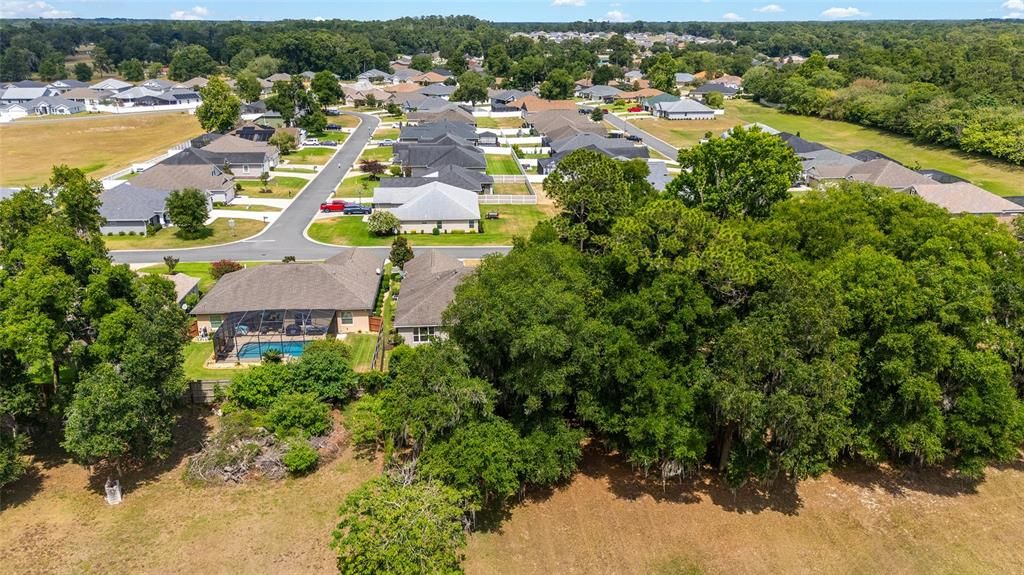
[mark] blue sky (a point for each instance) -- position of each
(519, 10)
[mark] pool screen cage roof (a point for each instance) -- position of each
(269, 327)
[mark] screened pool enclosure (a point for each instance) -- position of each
(247, 335)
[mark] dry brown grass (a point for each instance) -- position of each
(99, 145)
(854, 521)
(166, 526)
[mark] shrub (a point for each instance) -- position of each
(191, 300)
(221, 267)
(131, 232)
(395, 170)
(259, 387)
(121, 233)
(273, 356)
(300, 458)
(288, 259)
(382, 222)
(153, 228)
(299, 412)
(364, 419)
(437, 231)
(325, 371)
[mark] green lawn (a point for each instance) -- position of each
(386, 133)
(196, 354)
(501, 165)
(249, 208)
(511, 189)
(333, 136)
(492, 123)
(994, 175)
(319, 156)
(295, 170)
(352, 187)
(199, 270)
(379, 153)
(280, 187)
(351, 230)
(167, 238)
(362, 345)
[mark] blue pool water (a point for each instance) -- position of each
(255, 350)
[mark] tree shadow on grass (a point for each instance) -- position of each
(21, 491)
(900, 481)
(627, 482)
(190, 431)
(200, 234)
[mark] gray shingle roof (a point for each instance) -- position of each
(682, 105)
(429, 286)
(437, 90)
(960, 198)
(347, 281)
(452, 175)
(132, 203)
(441, 203)
(430, 156)
(435, 130)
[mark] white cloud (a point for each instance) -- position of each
(195, 13)
(769, 9)
(1014, 4)
(850, 12)
(731, 17)
(616, 16)
(576, 3)
(16, 9)
(1014, 15)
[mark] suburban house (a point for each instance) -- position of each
(129, 207)
(142, 96)
(559, 124)
(284, 306)
(878, 172)
(633, 75)
(158, 84)
(435, 130)
(189, 168)
(649, 102)
(430, 77)
(278, 77)
(427, 289)
(448, 113)
(728, 81)
(727, 92)
(374, 76)
(112, 84)
(440, 90)
(618, 148)
(193, 84)
(599, 92)
(47, 105)
(88, 97)
(683, 78)
(420, 159)
(21, 95)
(432, 206)
(452, 175)
(500, 99)
(965, 198)
(531, 103)
(683, 109)
(244, 157)
(60, 86)
(184, 286)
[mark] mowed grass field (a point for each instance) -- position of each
(994, 175)
(604, 521)
(168, 239)
(99, 145)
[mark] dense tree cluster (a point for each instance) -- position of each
(90, 352)
(989, 120)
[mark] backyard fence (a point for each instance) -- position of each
(509, 179)
(510, 199)
(204, 392)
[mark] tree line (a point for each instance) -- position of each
(719, 326)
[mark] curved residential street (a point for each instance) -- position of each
(285, 236)
(661, 146)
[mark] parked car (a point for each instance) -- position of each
(332, 112)
(635, 109)
(605, 111)
(329, 143)
(333, 206)
(387, 142)
(634, 138)
(315, 330)
(333, 127)
(311, 142)
(354, 209)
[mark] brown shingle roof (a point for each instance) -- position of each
(965, 198)
(347, 281)
(534, 104)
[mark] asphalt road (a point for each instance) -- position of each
(285, 236)
(652, 142)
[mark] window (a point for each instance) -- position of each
(440, 224)
(245, 169)
(422, 334)
(472, 224)
(215, 321)
(346, 318)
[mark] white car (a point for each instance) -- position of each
(388, 142)
(312, 142)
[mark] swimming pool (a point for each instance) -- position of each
(254, 350)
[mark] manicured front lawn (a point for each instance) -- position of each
(386, 133)
(249, 208)
(199, 270)
(352, 187)
(514, 221)
(167, 239)
(994, 175)
(379, 153)
(501, 165)
(314, 155)
(280, 187)
(344, 120)
(295, 170)
(333, 136)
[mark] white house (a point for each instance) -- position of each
(683, 109)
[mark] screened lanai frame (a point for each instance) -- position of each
(244, 336)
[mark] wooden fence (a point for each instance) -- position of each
(204, 392)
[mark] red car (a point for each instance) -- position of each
(636, 109)
(333, 206)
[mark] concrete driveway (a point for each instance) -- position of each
(654, 143)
